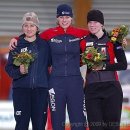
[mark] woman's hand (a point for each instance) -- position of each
(96, 68)
(23, 69)
(124, 43)
(12, 44)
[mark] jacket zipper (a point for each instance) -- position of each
(34, 66)
(65, 57)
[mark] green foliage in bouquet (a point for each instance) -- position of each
(91, 57)
(118, 33)
(24, 58)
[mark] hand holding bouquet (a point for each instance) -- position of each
(119, 33)
(91, 57)
(23, 58)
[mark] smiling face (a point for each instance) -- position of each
(30, 29)
(94, 27)
(64, 21)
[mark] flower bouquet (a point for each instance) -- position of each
(91, 57)
(119, 33)
(24, 58)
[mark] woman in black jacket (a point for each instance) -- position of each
(103, 91)
(30, 87)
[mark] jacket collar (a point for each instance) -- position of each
(68, 30)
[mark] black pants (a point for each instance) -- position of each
(30, 104)
(103, 105)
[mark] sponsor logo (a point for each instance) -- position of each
(18, 113)
(52, 99)
(103, 50)
(64, 12)
(84, 108)
(101, 44)
(75, 39)
(119, 47)
(56, 40)
(89, 44)
(24, 49)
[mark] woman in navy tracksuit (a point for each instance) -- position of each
(103, 91)
(30, 90)
(65, 83)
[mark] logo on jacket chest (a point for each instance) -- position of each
(89, 44)
(24, 49)
(56, 40)
(74, 39)
(95, 44)
(61, 41)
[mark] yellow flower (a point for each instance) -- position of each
(24, 58)
(113, 39)
(92, 57)
(119, 33)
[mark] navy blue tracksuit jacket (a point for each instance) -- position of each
(66, 83)
(30, 91)
(38, 70)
